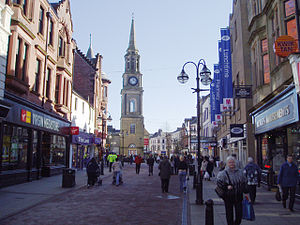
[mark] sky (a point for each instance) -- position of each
(168, 34)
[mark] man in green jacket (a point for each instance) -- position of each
(111, 158)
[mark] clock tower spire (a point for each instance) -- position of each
(132, 120)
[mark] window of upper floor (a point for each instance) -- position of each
(41, 20)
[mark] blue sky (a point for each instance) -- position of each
(168, 34)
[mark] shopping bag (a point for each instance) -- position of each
(206, 175)
(248, 211)
(278, 195)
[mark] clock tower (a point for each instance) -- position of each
(132, 120)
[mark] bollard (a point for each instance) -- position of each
(195, 180)
(199, 190)
(209, 212)
(102, 167)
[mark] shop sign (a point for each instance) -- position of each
(97, 141)
(281, 112)
(146, 141)
(82, 139)
(285, 45)
(243, 91)
(39, 120)
(237, 130)
(74, 130)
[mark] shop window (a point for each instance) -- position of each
(53, 150)
(14, 151)
(34, 149)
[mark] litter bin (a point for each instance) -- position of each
(68, 179)
(191, 169)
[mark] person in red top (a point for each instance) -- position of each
(138, 161)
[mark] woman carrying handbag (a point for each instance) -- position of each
(232, 182)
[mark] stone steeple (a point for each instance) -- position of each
(90, 52)
(132, 46)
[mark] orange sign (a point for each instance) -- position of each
(285, 45)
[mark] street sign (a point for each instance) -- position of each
(74, 130)
(243, 91)
(237, 130)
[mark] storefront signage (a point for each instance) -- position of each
(237, 130)
(82, 139)
(74, 130)
(243, 92)
(146, 141)
(97, 141)
(285, 45)
(281, 112)
(39, 120)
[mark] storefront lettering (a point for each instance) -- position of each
(41, 121)
(83, 140)
(273, 116)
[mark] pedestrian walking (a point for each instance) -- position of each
(210, 167)
(138, 162)
(117, 168)
(176, 162)
(165, 174)
(204, 166)
(232, 181)
(287, 181)
(150, 162)
(93, 171)
(111, 158)
(253, 173)
(182, 172)
(172, 165)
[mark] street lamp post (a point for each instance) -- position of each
(102, 137)
(202, 76)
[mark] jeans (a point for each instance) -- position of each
(182, 179)
(285, 195)
(117, 173)
(238, 212)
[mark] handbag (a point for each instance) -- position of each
(97, 172)
(220, 191)
(248, 211)
(206, 175)
(278, 195)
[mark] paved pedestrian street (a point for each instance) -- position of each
(138, 201)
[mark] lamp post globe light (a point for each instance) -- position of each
(203, 76)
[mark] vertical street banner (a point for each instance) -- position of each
(219, 85)
(226, 68)
(213, 99)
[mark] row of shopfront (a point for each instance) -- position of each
(34, 143)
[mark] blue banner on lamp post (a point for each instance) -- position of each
(213, 100)
(226, 67)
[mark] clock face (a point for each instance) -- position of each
(133, 81)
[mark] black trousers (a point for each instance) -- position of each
(285, 194)
(92, 178)
(110, 164)
(252, 192)
(137, 168)
(229, 212)
(165, 185)
(150, 169)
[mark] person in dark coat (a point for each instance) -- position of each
(93, 171)
(287, 181)
(165, 174)
(253, 174)
(150, 162)
(176, 162)
(210, 167)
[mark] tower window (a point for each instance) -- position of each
(132, 105)
(132, 128)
